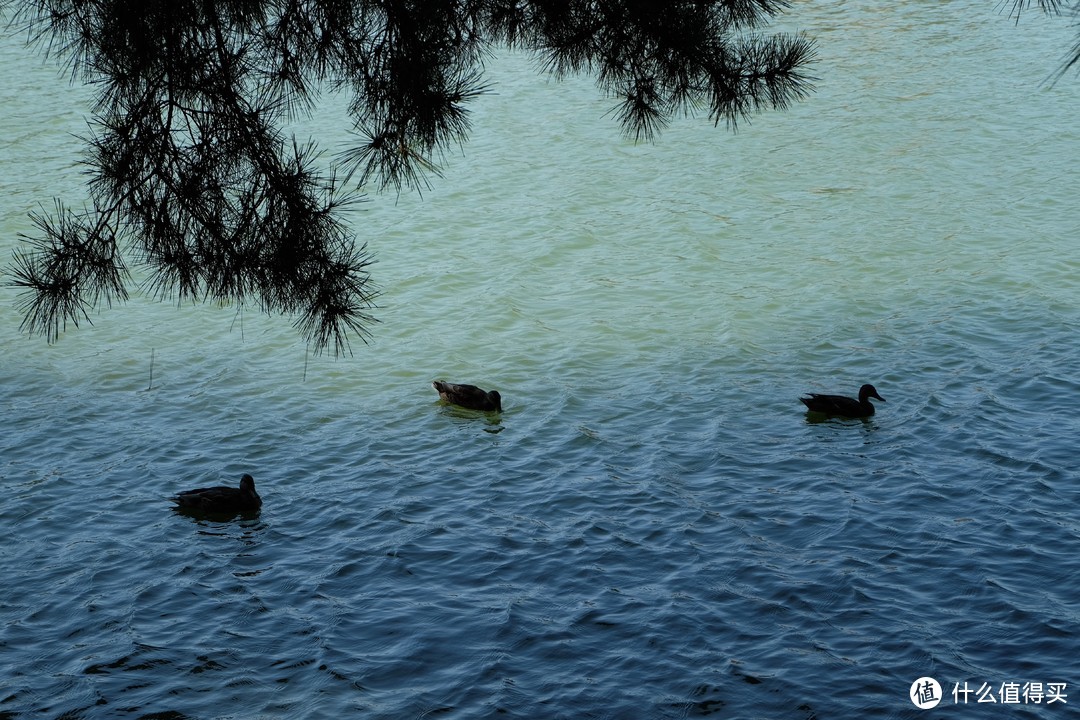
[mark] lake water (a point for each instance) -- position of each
(653, 527)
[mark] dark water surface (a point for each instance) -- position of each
(653, 528)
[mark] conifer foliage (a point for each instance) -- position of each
(191, 174)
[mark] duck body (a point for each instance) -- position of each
(469, 396)
(842, 405)
(221, 499)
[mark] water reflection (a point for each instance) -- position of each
(245, 527)
(209, 516)
(460, 415)
(816, 418)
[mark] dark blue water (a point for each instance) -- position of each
(654, 547)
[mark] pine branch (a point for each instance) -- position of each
(192, 176)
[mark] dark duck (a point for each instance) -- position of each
(842, 405)
(221, 499)
(469, 396)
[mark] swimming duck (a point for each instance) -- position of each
(221, 499)
(842, 405)
(469, 396)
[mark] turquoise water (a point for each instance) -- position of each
(653, 528)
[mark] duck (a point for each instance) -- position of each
(843, 405)
(221, 499)
(468, 396)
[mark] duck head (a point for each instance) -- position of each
(868, 391)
